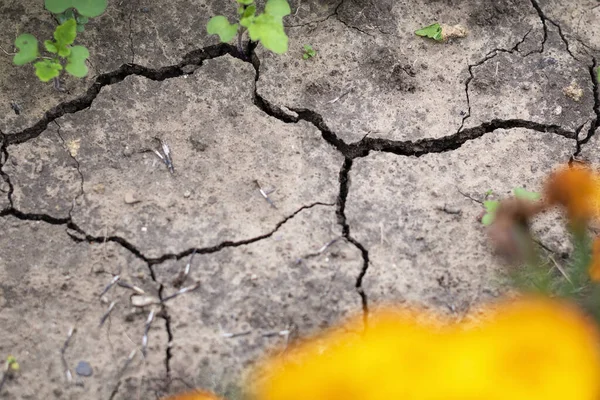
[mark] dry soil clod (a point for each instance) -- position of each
(573, 91)
(454, 31)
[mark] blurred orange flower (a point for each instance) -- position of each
(527, 350)
(594, 270)
(577, 188)
(193, 395)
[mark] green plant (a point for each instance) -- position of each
(79, 10)
(64, 55)
(492, 205)
(309, 52)
(433, 31)
(266, 28)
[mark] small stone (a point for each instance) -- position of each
(130, 198)
(557, 110)
(39, 168)
(187, 194)
(144, 229)
(83, 368)
(525, 86)
(14, 161)
(127, 151)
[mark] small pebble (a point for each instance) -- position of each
(130, 198)
(83, 368)
(187, 194)
(525, 86)
(558, 110)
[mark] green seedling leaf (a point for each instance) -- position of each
(64, 35)
(598, 74)
(69, 13)
(80, 28)
(12, 363)
(490, 207)
(219, 25)
(488, 219)
(76, 61)
(309, 52)
(82, 20)
(247, 18)
(433, 31)
(245, 2)
(47, 69)
(50, 46)
(61, 18)
(269, 31)
(277, 8)
(28, 49)
(521, 193)
(489, 192)
(87, 8)
(58, 6)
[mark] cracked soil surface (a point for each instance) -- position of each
(375, 156)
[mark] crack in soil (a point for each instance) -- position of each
(545, 20)
(596, 122)
(491, 54)
(195, 57)
(68, 150)
(344, 179)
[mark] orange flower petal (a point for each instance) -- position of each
(194, 395)
(576, 188)
(531, 349)
(594, 270)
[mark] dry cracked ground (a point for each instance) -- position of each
(375, 155)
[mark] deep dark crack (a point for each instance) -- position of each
(195, 57)
(344, 180)
(545, 20)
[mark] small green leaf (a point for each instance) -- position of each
(524, 194)
(488, 219)
(491, 205)
(69, 13)
(49, 45)
(309, 52)
(598, 74)
(277, 8)
(61, 18)
(219, 25)
(80, 28)
(58, 6)
(47, 69)
(245, 2)
(76, 61)
(87, 8)
(489, 192)
(90, 8)
(28, 49)
(433, 31)
(65, 33)
(81, 20)
(269, 30)
(248, 16)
